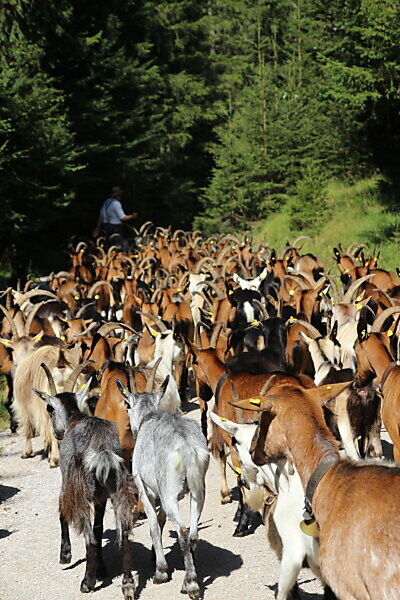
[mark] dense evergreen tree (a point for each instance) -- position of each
(222, 110)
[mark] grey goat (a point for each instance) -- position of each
(170, 459)
(92, 471)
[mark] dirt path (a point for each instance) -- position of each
(228, 567)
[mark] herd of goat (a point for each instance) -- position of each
(295, 369)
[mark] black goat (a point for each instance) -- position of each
(92, 471)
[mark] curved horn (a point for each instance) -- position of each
(96, 285)
(52, 385)
(354, 287)
(353, 245)
(10, 320)
(379, 321)
(28, 295)
(72, 379)
(62, 274)
(80, 245)
(262, 308)
(301, 237)
(313, 330)
(267, 385)
(132, 382)
(87, 330)
(152, 376)
(32, 315)
(297, 280)
(161, 326)
(82, 309)
(108, 327)
(307, 276)
(215, 335)
(388, 298)
(235, 394)
(197, 338)
(145, 226)
(220, 293)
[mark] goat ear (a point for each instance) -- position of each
(337, 254)
(304, 338)
(124, 391)
(153, 332)
(7, 343)
(257, 452)
(163, 386)
(44, 396)
(328, 392)
(334, 330)
(83, 393)
(228, 426)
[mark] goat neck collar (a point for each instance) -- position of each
(326, 463)
(387, 372)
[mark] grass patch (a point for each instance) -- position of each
(4, 417)
(360, 213)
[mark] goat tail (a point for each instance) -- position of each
(105, 465)
(197, 466)
(125, 503)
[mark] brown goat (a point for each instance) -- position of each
(356, 505)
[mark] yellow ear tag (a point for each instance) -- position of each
(137, 298)
(255, 401)
(76, 297)
(332, 302)
(82, 250)
(389, 333)
(292, 319)
(311, 528)
(287, 257)
(291, 292)
(345, 272)
(223, 419)
(359, 306)
(178, 289)
(230, 292)
(359, 298)
(151, 289)
(255, 322)
(210, 313)
(83, 386)
(328, 387)
(62, 337)
(96, 297)
(238, 470)
(262, 276)
(154, 333)
(267, 261)
(38, 336)
(6, 342)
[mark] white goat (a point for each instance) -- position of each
(292, 545)
(170, 459)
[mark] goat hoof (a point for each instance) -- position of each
(226, 500)
(128, 588)
(27, 455)
(240, 533)
(65, 557)
(160, 577)
(87, 586)
(191, 588)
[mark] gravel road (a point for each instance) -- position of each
(29, 544)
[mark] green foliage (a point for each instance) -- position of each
(358, 214)
(308, 208)
(217, 113)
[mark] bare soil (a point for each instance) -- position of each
(29, 543)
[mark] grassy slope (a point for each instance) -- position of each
(357, 214)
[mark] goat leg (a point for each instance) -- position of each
(89, 580)
(65, 550)
(190, 585)
(128, 582)
(101, 571)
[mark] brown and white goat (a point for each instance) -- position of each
(356, 505)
